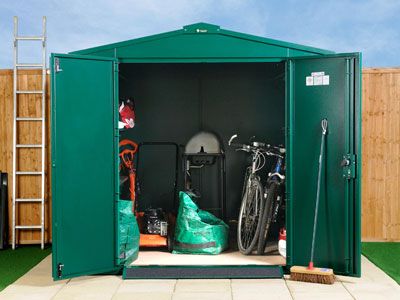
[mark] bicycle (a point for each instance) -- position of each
(274, 196)
(251, 216)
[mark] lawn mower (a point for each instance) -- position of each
(155, 225)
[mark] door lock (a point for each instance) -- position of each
(349, 166)
(345, 162)
(60, 267)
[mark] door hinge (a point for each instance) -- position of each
(57, 67)
(349, 166)
(59, 270)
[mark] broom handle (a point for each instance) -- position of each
(324, 125)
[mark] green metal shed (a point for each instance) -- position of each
(203, 77)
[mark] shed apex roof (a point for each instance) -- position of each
(202, 28)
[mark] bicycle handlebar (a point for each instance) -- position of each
(254, 146)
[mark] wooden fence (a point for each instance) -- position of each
(29, 159)
(381, 152)
(381, 155)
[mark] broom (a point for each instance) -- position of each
(311, 273)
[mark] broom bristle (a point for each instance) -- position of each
(315, 275)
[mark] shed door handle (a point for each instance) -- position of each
(345, 162)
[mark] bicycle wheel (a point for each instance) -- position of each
(249, 216)
(266, 218)
(246, 178)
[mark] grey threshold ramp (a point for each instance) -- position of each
(202, 272)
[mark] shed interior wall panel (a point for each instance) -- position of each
(176, 101)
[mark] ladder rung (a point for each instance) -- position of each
(29, 92)
(29, 38)
(28, 173)
(29, 146)
(28, 200)
(28, 227)
(28, 65)
(28, 119)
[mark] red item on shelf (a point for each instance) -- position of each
(127, 115)
(282, 234)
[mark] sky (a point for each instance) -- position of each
(369, 26)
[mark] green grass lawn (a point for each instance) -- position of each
(384, 255)
(15, 263)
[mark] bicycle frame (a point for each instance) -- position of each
(277, 175)
(258, 161)
(279, 178)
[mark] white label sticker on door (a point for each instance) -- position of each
(317, 78)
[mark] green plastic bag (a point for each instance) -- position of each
(198, 231)
(128, 235)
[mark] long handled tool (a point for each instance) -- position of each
(311, 273)
(127, 153)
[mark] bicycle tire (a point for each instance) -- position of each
(252, 192)
(266, 219)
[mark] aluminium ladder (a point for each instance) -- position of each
(16, 191)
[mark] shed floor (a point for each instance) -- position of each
(226, 258)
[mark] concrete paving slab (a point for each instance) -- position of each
(143, 296)
(90, 287)
(259, 288)
(203, 285)
(38, 284)
(202, 296)
(145, 286)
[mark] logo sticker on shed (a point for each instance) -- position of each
(317, 78)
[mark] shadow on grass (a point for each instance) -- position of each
(15, 263)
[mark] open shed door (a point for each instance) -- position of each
(324, 87)
(84, 165)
